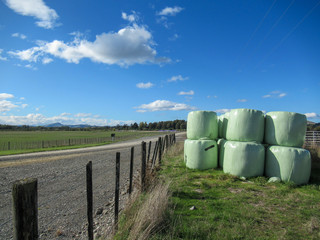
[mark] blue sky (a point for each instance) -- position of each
(116, 62)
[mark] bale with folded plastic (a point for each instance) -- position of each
(243, 159)
(224, 125)
(245, 125)
(201, 154)
(285, 129)
(220, 126)
(202, 125)
(290, 164)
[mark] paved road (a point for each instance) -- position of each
(62, 184)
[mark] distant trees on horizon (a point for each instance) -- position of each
(143, 126)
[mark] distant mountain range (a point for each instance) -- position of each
(57, 125)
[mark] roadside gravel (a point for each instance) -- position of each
(62, 187)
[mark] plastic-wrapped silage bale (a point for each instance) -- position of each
(221, 142)
(243, 159)
(202, 125)
(201, 154)
(220, 126)
(285, 129)
(288, 163)
(225, 125)
(245, 125)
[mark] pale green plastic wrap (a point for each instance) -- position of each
(288, 163)
(243, 159)
(221, 142)
(201, 154)
(285, 129)
(245, 125)
(202, 125)
(220, 126)
(225, 125)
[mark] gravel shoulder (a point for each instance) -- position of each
(62, 186)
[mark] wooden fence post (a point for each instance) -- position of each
(89, 200)
(8, 145)
(143, 166)
(167, 142)
(149, 152)
(25, 209)
(131, 170)
(160, 150)
(116, 196)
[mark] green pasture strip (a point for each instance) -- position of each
(32, 141)
(226, 207)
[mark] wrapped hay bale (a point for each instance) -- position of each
(225, 125)
(202, 125)
(221, 142)
(285, 129)
(243, 159)
(220, 126)
(201, 154)
(245, 125)
(288, 164)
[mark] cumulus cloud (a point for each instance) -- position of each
(6, 96)
(222, 111)
(37, 119)
(177, 78)
(19, 35)
(131, 17)
(170, 11)
(83, 115)
(275, 94)
(242, 100)
(37, 9)
(6, 106)
(145, 85)
(191, 92)
(312, 115)
(164, 105)
(130, 45)
(2, 58)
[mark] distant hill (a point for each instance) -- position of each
(57, 125)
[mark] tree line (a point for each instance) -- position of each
(143, 126)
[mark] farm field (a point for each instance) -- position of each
(14, 142)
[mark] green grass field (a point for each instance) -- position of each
(213, 205)
(13, 142)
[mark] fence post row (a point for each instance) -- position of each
(25, 209)
(155, 152)
(143, 166)
(149, 152)
(160, 150)
(116, 195)
(131, 170)
(89, 200)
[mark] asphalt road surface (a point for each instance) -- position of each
(62, 184)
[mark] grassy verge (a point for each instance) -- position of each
(213, 205)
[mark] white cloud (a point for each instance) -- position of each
(170, 11)
(39, 119)
(2, 58)
(145, 85)
(19, 35)
(242, 100)
(5, 96)
(275, 94)
(130, 45)
(131, 18)
(6, 106)
(177, 78)
(222, 111)
(83, 115)
(191, 92)
(312, 115)
(163, 105)
(47, 60)
(174, 37)
(212, 96)
(35, 8)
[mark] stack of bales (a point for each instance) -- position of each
(240, 150)
(200, 149)
(285, 159)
